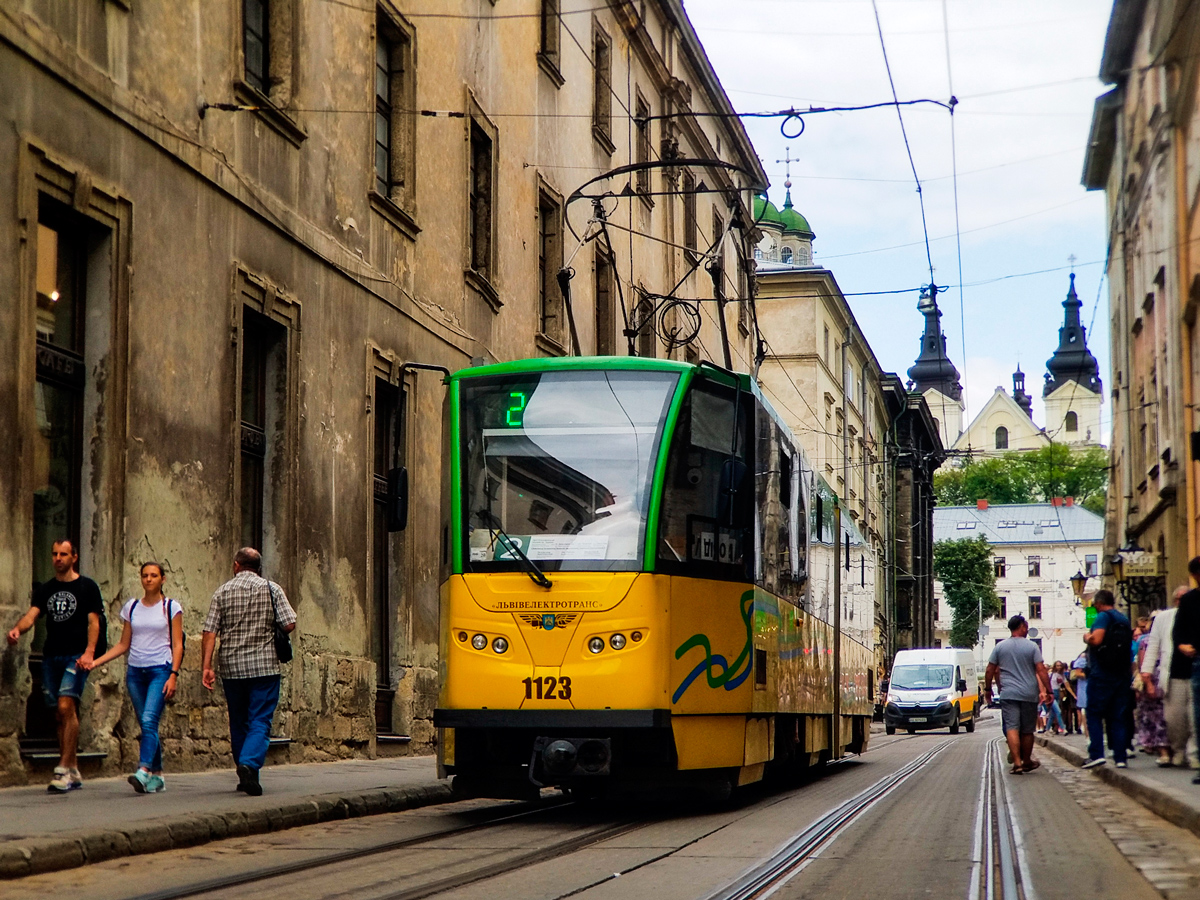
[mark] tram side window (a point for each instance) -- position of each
(708, 500)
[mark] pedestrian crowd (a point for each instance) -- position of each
(1136, 686)
(248, 614)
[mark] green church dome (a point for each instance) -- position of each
(793, 222)
(766, 212)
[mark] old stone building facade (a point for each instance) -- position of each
(232, 228)
(1144, 153)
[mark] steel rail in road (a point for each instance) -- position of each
(790, 859)
(999, 865)
(329, 859)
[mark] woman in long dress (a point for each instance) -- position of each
(1149, 719)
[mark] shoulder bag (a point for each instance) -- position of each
(283, 641)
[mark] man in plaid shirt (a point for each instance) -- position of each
(243, 613)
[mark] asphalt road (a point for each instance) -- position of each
(918, 816)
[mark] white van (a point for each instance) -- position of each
(934, 688)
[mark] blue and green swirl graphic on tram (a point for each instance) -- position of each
(718, 672)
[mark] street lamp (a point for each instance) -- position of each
(1078, 582)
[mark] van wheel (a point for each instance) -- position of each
(970, 725)
(954, 722)
(889, 729)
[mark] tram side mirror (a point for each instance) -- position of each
(397, 499)
(962, 685)
(733, 508)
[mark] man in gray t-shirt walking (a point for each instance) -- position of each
(1017, 669)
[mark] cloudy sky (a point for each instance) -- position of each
(1025, 77)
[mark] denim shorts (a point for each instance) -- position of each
(62, 677)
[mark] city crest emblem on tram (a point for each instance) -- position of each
(549, 621)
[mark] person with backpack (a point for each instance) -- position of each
(153, 638)
(1110, 643)
(75, 632)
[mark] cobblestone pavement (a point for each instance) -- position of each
(1168, 856)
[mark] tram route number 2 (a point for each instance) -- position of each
(546, 688)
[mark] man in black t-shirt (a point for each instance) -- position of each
(71, 605)
(1186, 637)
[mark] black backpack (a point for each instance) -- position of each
(1114, 655)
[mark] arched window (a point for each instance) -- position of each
(758, 252)
(1001, 438)
(1072, 421)
(787, 254)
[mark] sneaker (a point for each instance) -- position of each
(141, 781)
(64, 780)
(1092, 763)
(156, 785)
(1122, 765)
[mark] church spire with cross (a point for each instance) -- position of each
(1072, 361)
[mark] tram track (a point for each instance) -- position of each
(329, 859)
(790, 859)
(999, 868)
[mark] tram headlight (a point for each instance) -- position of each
(596, 644)
(479, 642)
(499, 645)
(617, 641)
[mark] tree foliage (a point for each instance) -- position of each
(1028, 477)
(968, 583)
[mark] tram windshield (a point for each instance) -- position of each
(561, 463)
(915, 678)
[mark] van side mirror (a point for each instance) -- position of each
(397, 499)
(962, 685)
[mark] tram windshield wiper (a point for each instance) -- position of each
(512, 545)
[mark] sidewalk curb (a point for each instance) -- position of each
(1155, 799)
(30, 856)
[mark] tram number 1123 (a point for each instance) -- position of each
(545, 688)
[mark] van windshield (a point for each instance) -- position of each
(921, 677)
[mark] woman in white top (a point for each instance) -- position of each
(153, 637)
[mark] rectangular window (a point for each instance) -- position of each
(826, 350)
(606, 320)
(642, 144)
(1035, 567)
(688, 188)
(999, 566)
(549, 32)
(256, 44)
(1035, 607)
(389, 454)
(549, 262)
(1003, 614)
(602, 89)
(1090, 567)
(383, 114)
(262, 403)
(481, 199)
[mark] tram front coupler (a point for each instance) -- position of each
(559, 760)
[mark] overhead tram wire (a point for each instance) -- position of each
(962, 312)
(904, 133)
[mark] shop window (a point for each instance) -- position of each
(263, 404)
(389, 410)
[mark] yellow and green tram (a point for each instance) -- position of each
(638, 583)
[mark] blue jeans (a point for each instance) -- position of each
(1196, 700)
(62, 677)
(1054, 717)
(146, 685)
(1107, 701)
(252, 703)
